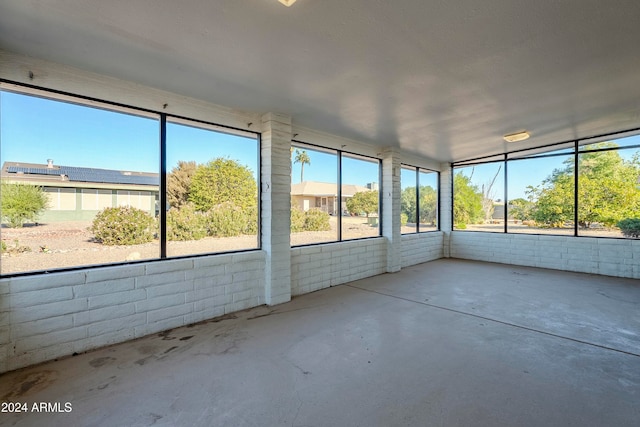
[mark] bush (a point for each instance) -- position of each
(297, 220)
(226, 220)
(20, 203)
(3, 246)
(461, 226)
(123, 225)
(630, 227)
(316, 220)
(186, 223)
(404, 218)
(251, 224)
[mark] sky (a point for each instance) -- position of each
(35, 129)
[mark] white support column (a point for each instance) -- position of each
(391, 208)
(276, 206)
(446, 204)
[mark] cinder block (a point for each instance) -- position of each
(37, 342)
(46, 281)
(101, 288)
(117, 298)
(42, 296)
(101, 314)
(169, 289)
(113, 274)
(42, 326)
(166, 266)
(159, 302)
(116, 325)
(53, 309)
(169, 313)
(160, 279)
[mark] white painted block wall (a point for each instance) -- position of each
(421, 247)
(321, 266)
(58, 314)
(609, 257)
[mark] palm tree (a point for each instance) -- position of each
(302, 157)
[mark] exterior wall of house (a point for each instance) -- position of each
(82, 204)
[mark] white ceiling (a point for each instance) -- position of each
(440, 79)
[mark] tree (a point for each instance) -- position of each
(363, 201)
(20, 203)
(408, 203)
(428, 204)
(303, 158)
(607, 190)
(223, 180)
(488, 195)
(467, 201)
(179, 183)
(520, 209)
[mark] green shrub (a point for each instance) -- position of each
(123, 225)
(630, 227)
(461, 226)
(226, 220)
(297, 220)
(316, 220)
(404, 218)
(251, 224)
(20, 203)
(186, 223)
(3, 246)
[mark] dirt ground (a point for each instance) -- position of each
(69, 244)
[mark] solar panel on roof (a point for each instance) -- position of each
(104, 176)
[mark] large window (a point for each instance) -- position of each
(81, 184)
(478, 199)
(212, 189)
(334, 195)
(589, 187)
(418, 200)
(360, 204)
(609, 187)
(540, 191)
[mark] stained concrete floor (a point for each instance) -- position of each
(447, 343)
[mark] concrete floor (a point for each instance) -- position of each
(447, 343)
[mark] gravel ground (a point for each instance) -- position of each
(69, 244)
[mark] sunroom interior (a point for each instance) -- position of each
(391, 120)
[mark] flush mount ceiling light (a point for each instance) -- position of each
(287, 2)
(518, 136)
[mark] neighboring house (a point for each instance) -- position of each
(77, 193)
(324, 195)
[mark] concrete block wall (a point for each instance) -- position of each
(609, 257)
(446, 220)
(321, 266)
(421, 247)
(47, 316)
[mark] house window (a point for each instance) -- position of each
(330, 180)
(86, 159)
(418, 200)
